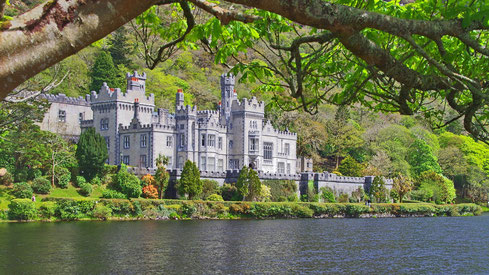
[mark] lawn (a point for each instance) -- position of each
(72, 192)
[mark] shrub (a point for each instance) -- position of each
(421, 195)
(229, 192)
(85, 189)
(22, 190)
(377, 190)
(150, 192)
(64, 179)
(281, 189)
(22, 209)
(327, 194)
(80, 181)
(109, 169)
(107, 179)
(215, 197)
(47, 210)
(441, 189)
(96, 181)
(343, 198)
(101, 212)
(68, 210)
(147, 180)
(209, 187)
(127, 183)
(112, 194)
(41, 186)
(7, 179)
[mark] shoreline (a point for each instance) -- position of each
(89, 209)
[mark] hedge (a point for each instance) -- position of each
(91, 208)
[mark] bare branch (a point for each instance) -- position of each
(224, 15)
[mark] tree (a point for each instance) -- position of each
(61, 155)
(161, 176)
(402, 185)
(421, 158)
(242, 184)
(91, 153)
(350, 167)
(248, 184)
(398, 56)
(190, 183)
(104, 71)
(439, 188)
(377, 190)
(119, 48)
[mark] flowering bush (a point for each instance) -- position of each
(148, 180)
(150, 192)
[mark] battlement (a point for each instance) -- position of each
(250, 105)
(107, 93)
(62, 98)
(268, 129)
(187, 109)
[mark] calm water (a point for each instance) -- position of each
(410, 245)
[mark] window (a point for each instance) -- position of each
(220, 164)
(212, 164)
(253, 145)
(127, 143)
(104, 124)
(169, 141)
(212, 140)
(219, 142)
(253, 124)
(287, 149)
(234, 164)
(281, 167)
(62, 116)
(81, 116)
(170, 163)
(202, 164)
(180, 162)
(125, 160)
(182, 126)
(182, 140)
(288, 168)
(143, 141)
(230, 144)
(202, 138)
(143, 161)
(107, 141)
(267, 150)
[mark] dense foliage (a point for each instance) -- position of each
(190, 183)
(126, 183)
(91, 153)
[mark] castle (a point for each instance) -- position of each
(219, 141)
(136, 132)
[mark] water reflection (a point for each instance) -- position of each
(412, 245)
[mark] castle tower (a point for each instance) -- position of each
(179, 99)
(228, 94)
(136, 82)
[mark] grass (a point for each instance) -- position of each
(485, 209)
(4, 198)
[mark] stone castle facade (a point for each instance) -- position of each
(136, 132)
(219, 141)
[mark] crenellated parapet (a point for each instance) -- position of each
(269, 130)
(132, 94)
(62, 98)
(130, 128)
(186, 110)
(248, 105)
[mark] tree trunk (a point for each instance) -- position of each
(55, 30)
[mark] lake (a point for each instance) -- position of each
(443, 245)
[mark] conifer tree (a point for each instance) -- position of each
(190, 183)
(254, 185)
(377, 190)
(103, 70)
(243, 182)
(119, 47)
(91, 153)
